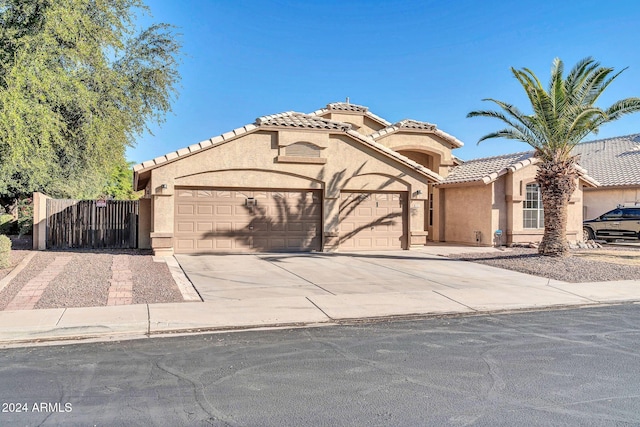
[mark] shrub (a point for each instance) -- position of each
(5, 252)
(25, 216)
(7, 224)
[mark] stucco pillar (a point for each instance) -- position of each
(162, 234)
(331, 223)
(40, 221)
(418, 227)
(438, 215)
(144, 224)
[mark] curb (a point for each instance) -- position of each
(188, 291)
(94, 337)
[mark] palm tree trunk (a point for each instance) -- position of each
(557, 179)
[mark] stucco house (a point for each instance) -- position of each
(338, 179)
(615, 164)
(495, 200)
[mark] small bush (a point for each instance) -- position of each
(25, 216)
(5, 252)
(7, 224)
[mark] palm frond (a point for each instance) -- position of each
(622, 107)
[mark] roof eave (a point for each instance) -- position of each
(390, 130)
(393, 154)
(194, 148)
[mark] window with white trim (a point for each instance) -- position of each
(533, 214)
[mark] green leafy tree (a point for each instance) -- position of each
(78, 83)
(563, 115)
(120, 183)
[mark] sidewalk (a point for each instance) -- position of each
(484, 289)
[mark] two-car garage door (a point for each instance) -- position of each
(239, 220)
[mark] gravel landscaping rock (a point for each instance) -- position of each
(150, 284)
(85, 280)
(83, 283)
(573, 269)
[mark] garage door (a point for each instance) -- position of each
(372, 221)
(234, 220)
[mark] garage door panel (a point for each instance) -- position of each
(186, 227)
(295, 226)
(223, 210)
(204, 193)
(204, 226)
(204, 244)
(224, 226)
(210, 220)
(223, 244)
(184, 243)
(278, 226)
(205, 209)
(185, 209)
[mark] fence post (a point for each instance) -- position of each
(39, 221)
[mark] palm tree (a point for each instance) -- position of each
(563, 115)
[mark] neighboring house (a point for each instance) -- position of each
(495, 200)
(615, 164)
(340, 178)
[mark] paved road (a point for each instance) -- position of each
(573, 367)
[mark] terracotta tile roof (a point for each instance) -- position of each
(348, 107)
(612, 161)
(301, 121)
(488, 169)
(344, 106)
(414, 125)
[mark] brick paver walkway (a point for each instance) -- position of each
(121, 289)
(30, 294)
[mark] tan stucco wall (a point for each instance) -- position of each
(39, 234)
(499, 206)
(361, 123)
(600, 200)
(515, 189)
(499, 212)
(144, 223)
(252, 161)
(424, 159)
(467, 210)
(439, 150)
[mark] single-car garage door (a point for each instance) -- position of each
(238, 220)
(372, 221)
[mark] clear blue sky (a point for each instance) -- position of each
(432, 61)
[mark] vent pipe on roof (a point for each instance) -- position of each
(347, 100)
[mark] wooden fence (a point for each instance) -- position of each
(111, 224)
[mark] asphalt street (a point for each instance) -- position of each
(562, 367)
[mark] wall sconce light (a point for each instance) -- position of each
(417, 193)
(163, 186)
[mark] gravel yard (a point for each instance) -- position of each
(85, 280)
(593, 265)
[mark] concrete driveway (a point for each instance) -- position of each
(238, 277)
